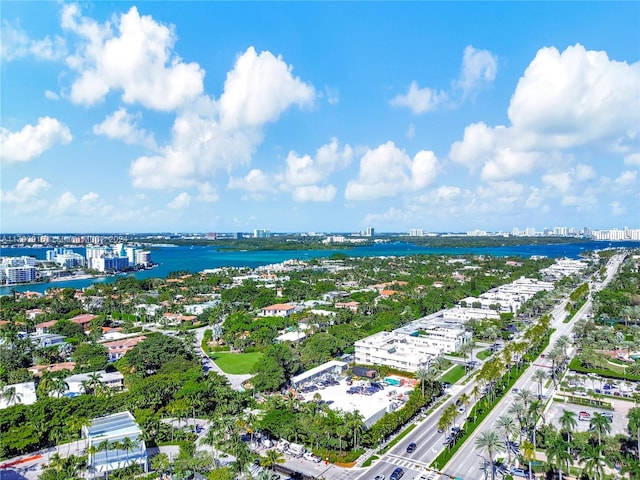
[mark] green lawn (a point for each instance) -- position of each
(236, 363)
(454, 374)
(483, 354)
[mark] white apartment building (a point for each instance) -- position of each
(464, 314)
(142, 257)
(199, 308)
(395, 350)
(509, 297)
(17, 270)
(563, 268)
(412, 346)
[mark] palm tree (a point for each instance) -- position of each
(211, 438)
(271, 458)
(540, 376)
(11, 395)
(490, 441)
(160, 463)
(422, 375)
(634, 426)
(58, 386)
(525, 396)
(354, 421)
(91, 451)
(594, 461)
(529, 454)
(558, 456)
(601, 425)
(520, 413)
(568, 423)
(104, 445)
(506, 426)
(94, 382)
(267, 475)
(128, 445)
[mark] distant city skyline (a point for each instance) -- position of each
(103, 238)
(319, 116)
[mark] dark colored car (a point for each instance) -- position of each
(396, 474)
(411, 447)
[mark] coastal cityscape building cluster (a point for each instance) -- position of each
(319, 240)
(17, 239)
(58, 261)
(343, 336)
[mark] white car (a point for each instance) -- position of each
(311, 457)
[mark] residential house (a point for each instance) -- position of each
(118, 348)
(277, 310)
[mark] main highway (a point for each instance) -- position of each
(467, 462)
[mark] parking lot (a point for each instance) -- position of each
(372, 403)
(614, 392)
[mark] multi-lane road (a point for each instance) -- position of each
(466, 463)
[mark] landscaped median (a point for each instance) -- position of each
(484, 406)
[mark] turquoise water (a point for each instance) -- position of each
(171, 259)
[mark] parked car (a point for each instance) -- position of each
(379, 477)
(411, 447)
(461, 409)
(519, 472)
(311, 457)
(584, 416)
(396, 474)
(608, 416)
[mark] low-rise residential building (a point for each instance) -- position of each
(110, 431)
(33, 313)
(45, 340)
(464, 314)
(118, 348)
(38, 370)
(76, 383)
(18, 394)
(292, 336)
(43, 327)
(353, 306)
(84, 320)
(177, 318)
(278, 310)
(563, 268)
(149, 309)
(396, 350)
(199, 308)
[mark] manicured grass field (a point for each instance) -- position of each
(454, 374)
(484, 354)
(236, 363)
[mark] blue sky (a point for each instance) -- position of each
(218, 117)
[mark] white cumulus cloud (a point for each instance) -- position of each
(479, 68)
(180, 202)
(388, 170)
(32, 141)
(563, 100)
(123, 126)
(259, 88)
(26, 190)
(210, 135)
(577, 96)
(254, 181)
(420, 100)
(15, 43)
(132, 54)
